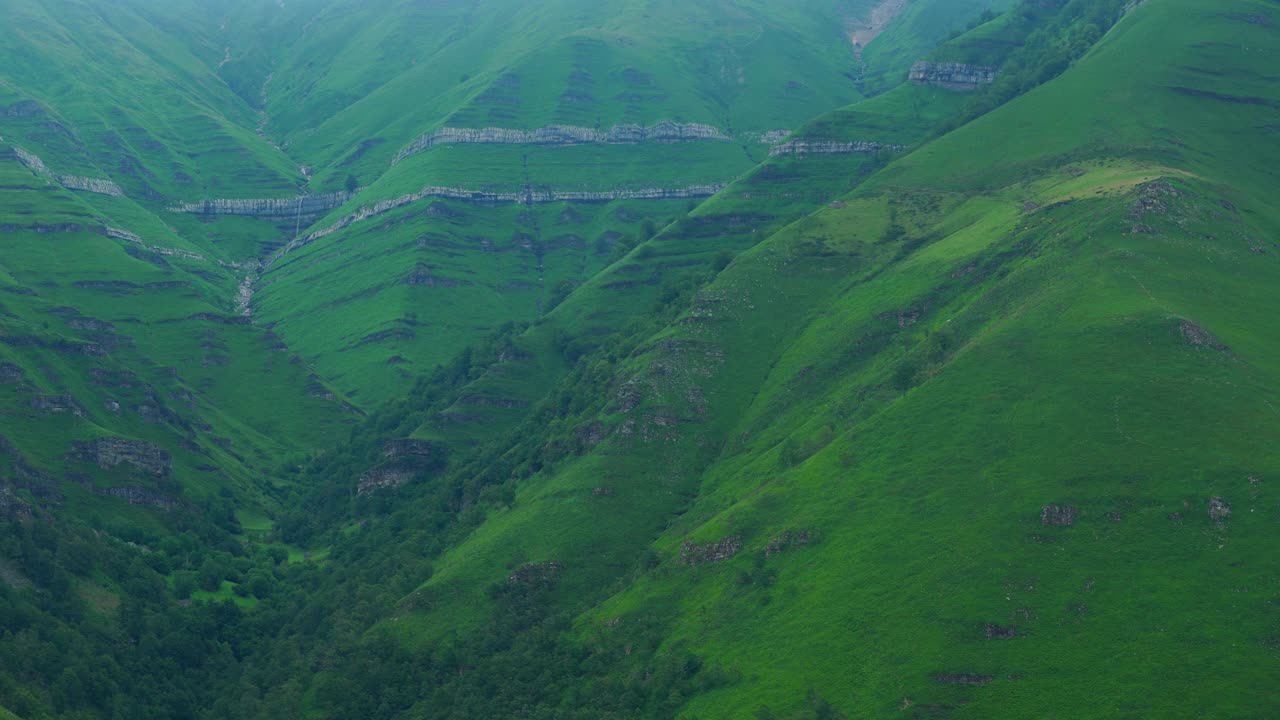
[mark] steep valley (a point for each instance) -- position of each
(639, 360)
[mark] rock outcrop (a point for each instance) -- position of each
(140, 496)
(127, 236)
(384, 477)
(10, 374)
(108, 452)
(22, 108)
(962, 679)
(409, 449)
(1196, 336)
(269, 207)
(626, 134)
(535, 574)
(831, 147)
(93, 185)
(53, 404)
(12, 507)
(995, 631)
(1219, 510)
(71, 182)
(952, 76)
(1058, 515)
(712, 552)
(786, 541)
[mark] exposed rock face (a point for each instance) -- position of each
(381, 478)
(409, 449)
(831, 147)
(1058, 515)
(71, 182)
(627, 134)
(952, 76)
(1197, 336)
(962, 679)
(786, 541)
(89, 324)
(22, 108)
(713, 552)
(127, 236)
(140, 496)
(535, 574)
(51, 404)
(272, 207)
(529, 196)
(32, 161)
(770, 137)
(482, 401)
(590, 435)
(93, 185)
(1000, 632)
(109, 452)
(10, 374)
(12, 507)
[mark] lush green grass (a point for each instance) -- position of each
(910, 377)
(870, 383)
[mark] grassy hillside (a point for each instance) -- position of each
(851, 427)
(955, 401)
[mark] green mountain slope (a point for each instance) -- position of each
(953, 415)
(958, 400)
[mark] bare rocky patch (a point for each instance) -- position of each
(712, 552)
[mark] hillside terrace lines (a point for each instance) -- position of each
(832, 147)
(528, 196)
(267, 207)
(624, 134)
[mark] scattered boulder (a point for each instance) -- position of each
(712, 552)
(1058, 515)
